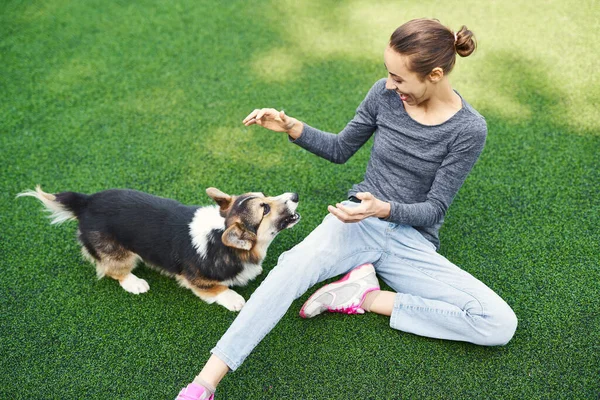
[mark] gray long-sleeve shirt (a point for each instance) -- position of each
(417, 168)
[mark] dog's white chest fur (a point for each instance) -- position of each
(205, 220)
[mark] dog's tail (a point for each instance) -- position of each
(62, 207)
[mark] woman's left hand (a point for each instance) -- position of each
(370, 206)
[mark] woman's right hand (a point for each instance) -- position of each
(275, 120)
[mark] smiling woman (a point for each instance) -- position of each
(427, 139)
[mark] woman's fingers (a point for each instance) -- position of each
(346, 210)
(269, 118)
(337, 213)
(267, 112)
(359, 211)
(260, 113)
(251, 116)
(346, 214)
(365, 196)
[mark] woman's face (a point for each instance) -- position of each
(411, 89)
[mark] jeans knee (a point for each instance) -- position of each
(504, 323)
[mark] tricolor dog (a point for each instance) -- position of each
(207, 249)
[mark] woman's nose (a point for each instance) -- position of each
(389, 84)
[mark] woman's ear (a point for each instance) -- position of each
(436, 75)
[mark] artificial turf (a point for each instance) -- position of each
(150, 95)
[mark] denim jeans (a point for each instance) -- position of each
(434, 297)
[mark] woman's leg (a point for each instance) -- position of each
(333, 248)
(435, 298)
(214, 370)
(380, 302)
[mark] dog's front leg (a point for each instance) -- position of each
(221, 295)
(231, 300)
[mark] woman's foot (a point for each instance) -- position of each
(193, 391)
(344, 296)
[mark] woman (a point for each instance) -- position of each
(427, 140)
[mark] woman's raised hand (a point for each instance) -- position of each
(274, 120)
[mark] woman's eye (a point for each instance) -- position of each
(266, 209)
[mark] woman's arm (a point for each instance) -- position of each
(335, 148)
(448, 179)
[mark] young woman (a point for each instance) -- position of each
(427, 139)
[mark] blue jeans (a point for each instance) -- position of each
(434, 297)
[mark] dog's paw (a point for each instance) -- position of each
(133, 284)
(231, 300)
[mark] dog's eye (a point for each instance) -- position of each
(266, 208)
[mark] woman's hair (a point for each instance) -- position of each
(429, 44)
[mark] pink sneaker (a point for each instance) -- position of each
(194, 391)
(343, 296)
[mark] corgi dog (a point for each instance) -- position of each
(207, 249)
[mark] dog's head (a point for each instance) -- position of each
(253, 218)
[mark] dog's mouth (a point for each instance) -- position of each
(288, 222)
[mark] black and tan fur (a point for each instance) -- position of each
(207, 249)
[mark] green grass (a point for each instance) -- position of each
(150, 95)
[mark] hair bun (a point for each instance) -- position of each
(465, 43)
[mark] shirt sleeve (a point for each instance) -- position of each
(448, 179)
(339, 148)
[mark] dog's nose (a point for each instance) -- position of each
(294, 197)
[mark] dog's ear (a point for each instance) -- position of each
(238, 237)
(222, 199)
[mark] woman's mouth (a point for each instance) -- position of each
(403, 97)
